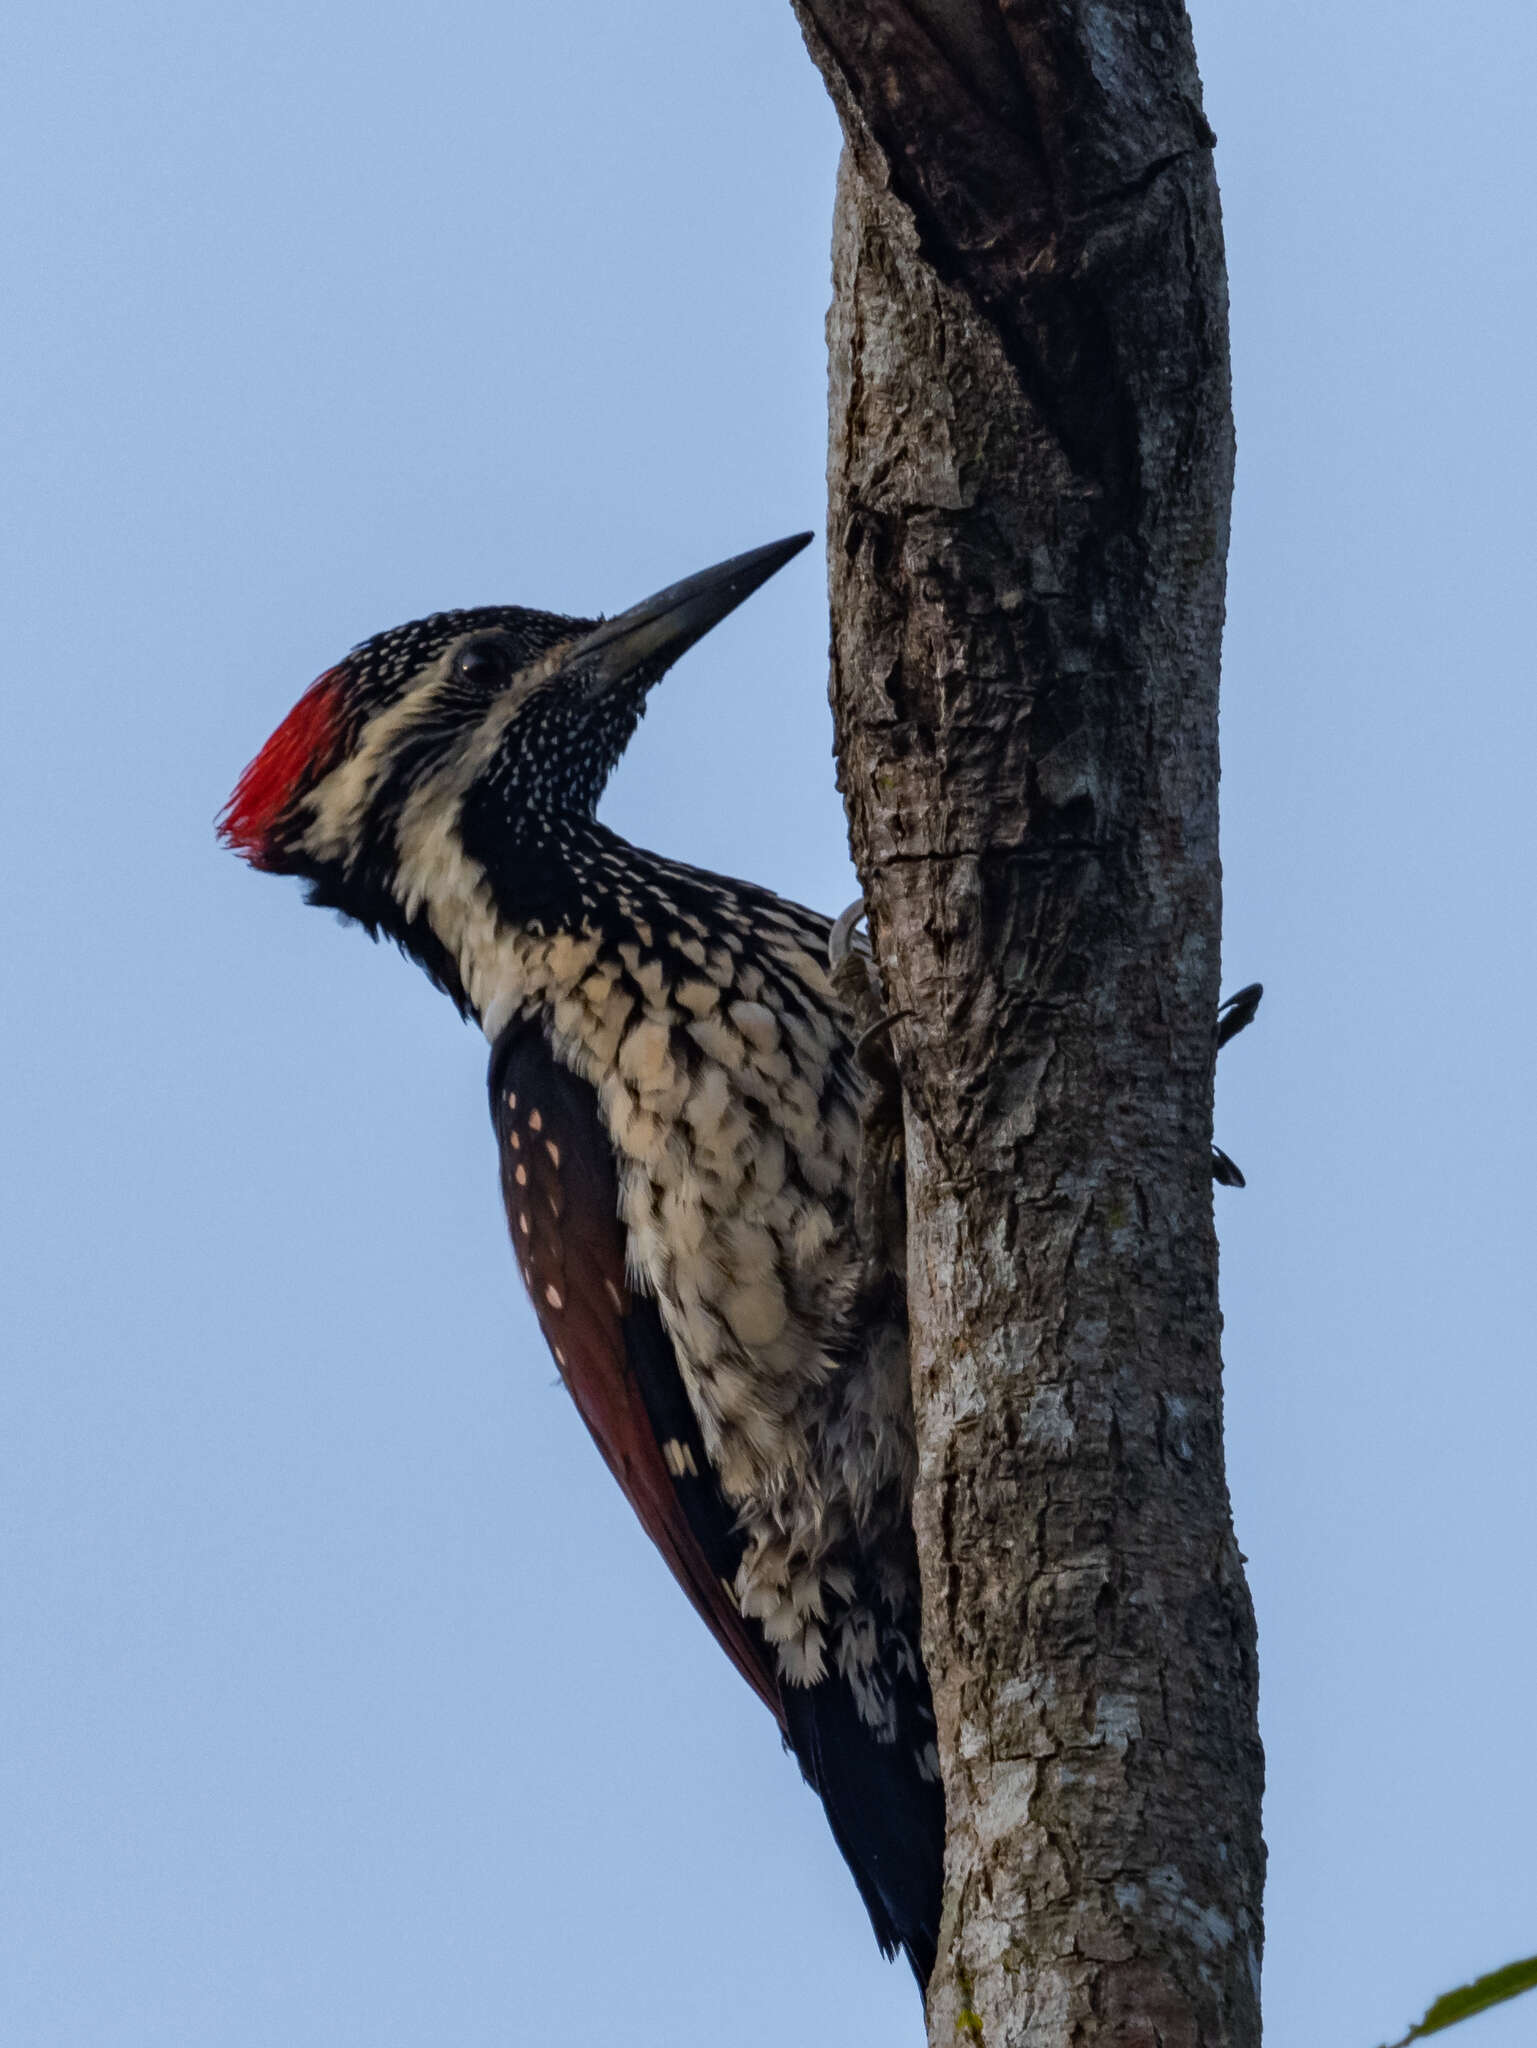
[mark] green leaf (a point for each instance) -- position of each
(1476, 1997)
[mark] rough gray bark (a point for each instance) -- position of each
(1030, 473)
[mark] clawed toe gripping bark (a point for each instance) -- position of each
(880, 1205)
(1233, 1016)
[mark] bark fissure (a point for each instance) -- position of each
(1029, 467)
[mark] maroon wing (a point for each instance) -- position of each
(562, 1194)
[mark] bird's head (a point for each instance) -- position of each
(495, 725)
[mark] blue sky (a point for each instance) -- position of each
(343, 1702)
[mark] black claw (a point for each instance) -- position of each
(1224, 1171)
(840, 940)
(1237, 1013)
(1233, 1016)
(877, 1030)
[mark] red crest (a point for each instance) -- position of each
(300, 750)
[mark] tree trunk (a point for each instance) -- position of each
(1030, 474)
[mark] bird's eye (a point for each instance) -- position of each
(481, 662)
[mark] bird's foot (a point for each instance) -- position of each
(1224, 1171)
(1237, 1013)
(880, 1188)
(1233, 1016)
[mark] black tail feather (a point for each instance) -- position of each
(884, 1804)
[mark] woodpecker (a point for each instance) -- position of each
(676, 1102)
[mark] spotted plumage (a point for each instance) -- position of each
(677, 1109)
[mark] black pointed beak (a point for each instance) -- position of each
(665, 626)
